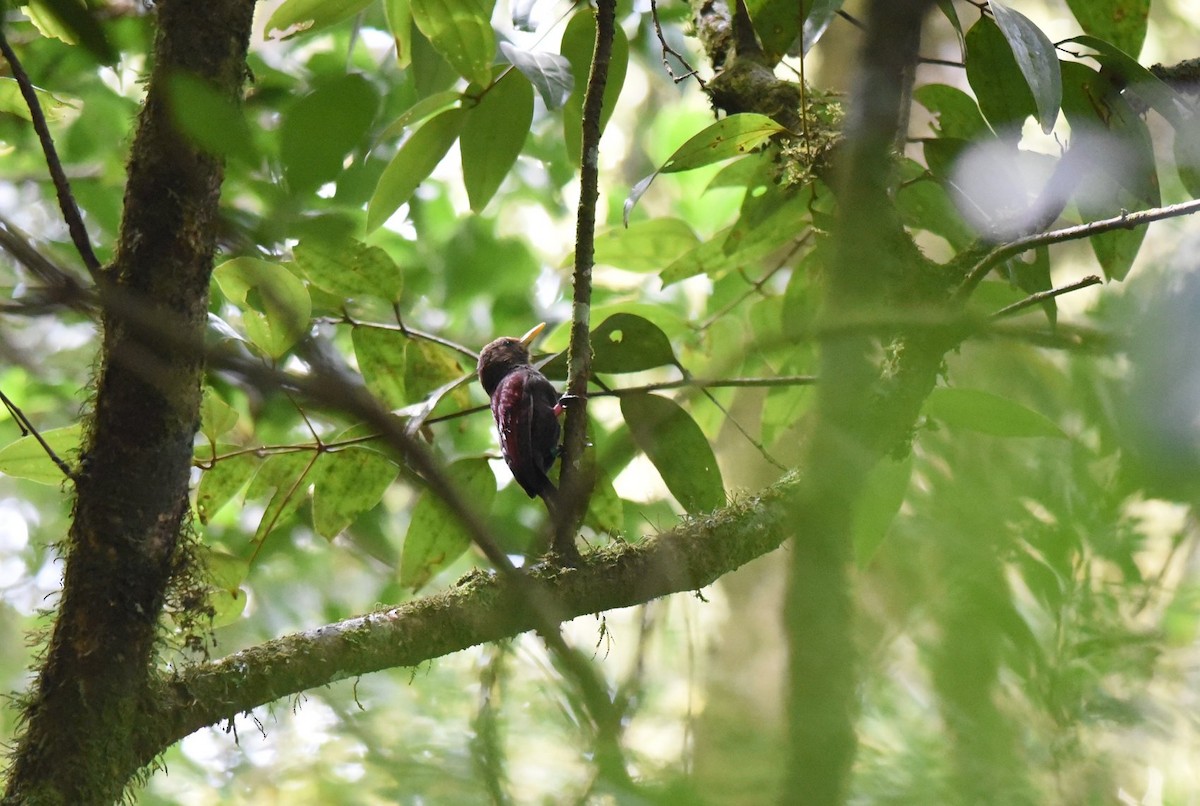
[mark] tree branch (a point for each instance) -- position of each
(480, 608)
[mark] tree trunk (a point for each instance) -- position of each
(84, 716)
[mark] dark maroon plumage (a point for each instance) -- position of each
(526, 408)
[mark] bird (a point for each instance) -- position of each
(526, 407)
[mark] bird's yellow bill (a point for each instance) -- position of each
(528, 338)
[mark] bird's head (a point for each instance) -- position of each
(504, 355)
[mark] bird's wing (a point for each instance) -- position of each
(512, 406)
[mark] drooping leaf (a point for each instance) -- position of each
(777, 24)
(412, 164)
(987, 413)
(274, 303)
(25, 458)
(435, 535)
(549, 73)
(293, 17)
(820, 14)
(1137, 80)
(578, 43)
(1037, 59)
(678, 449)
(493, 136)
(381, 360)
(949, 12)
(322, 127)
(349, 268)
(460, 30)
(347, 483)
(996, 79)
(1120, 22)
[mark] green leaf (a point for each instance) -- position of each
(549, 73)
(422, 109)
(216, 416)
(949, 12)
(54, 106)
(1121, 22)
(1033, 276)
(293, 17)
(415, 160)
(1137, 80)
(676, 446)
(957, 113)
(349, 268)
(27, 459)
(733, 136)
(820, 14)
(427, 368)
(1037, 59)
(987, 413)
(399, 19)
(645, 245)
(777, 23)
(72, 22)
(460, 30)
(274, 303)
(322, 127)
(1186, 150)
(221, 482)
(436, 536)
(883, 493)
(285, 477)
(995, 78)
(578, 44)
(226, 573)
(381, 360)
(347, 483)
(493, 136)
(210, 119)
(624, 342)
(606, 513)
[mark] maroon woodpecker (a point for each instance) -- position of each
(526, 407)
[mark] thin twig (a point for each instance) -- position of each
(668, 50)
(27, 429)
(1042, 296)
(1125, 220)
(66, 200)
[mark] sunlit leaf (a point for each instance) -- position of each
(412, 164)
(54, 106)
(678, 449)
(399, 20)
(422, 109)
(27, 459)
(624, 342)
(274, 303)
(72, 22)
(493, 136)
(648, 245)
(284, 477)
(346, 483)
(987, 413)
(296, 16)
(732, 136)
(349, 268)
(460, 30)
(436, 536)
(956, 112)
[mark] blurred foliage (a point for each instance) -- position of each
(401, 180)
